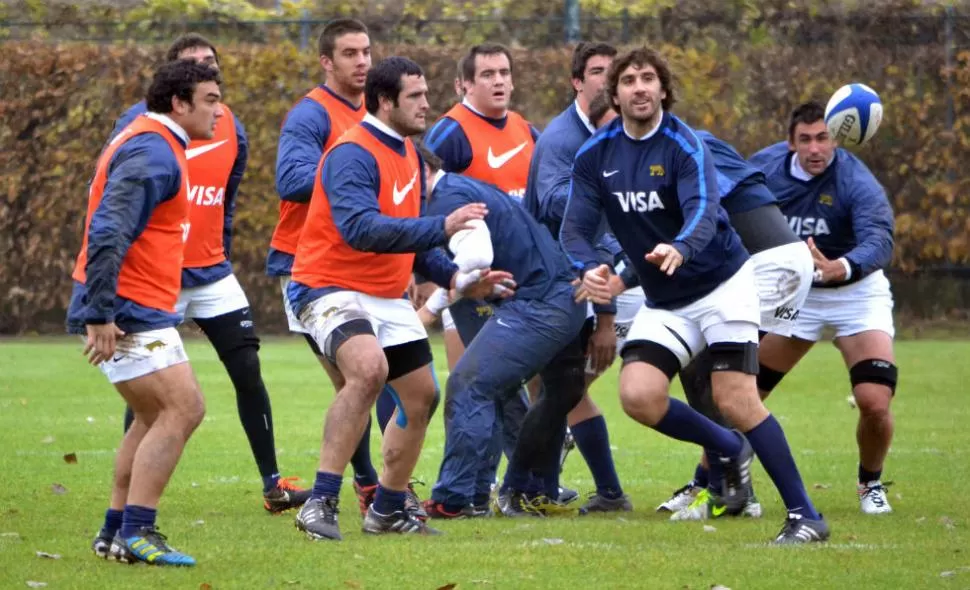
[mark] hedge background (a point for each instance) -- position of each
(59, 101)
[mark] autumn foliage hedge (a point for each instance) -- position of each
(58, 103)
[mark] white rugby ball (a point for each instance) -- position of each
(853, 114)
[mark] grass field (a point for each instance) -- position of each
(51, 404)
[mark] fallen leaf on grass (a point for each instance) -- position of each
(58, 489)
(822, 486)
(70, 458)
(47, 555)
(205, 586)
(33, 584)
(450, 586)
(352, 583)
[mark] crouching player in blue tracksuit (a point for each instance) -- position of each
(833, 201)
(536, 331)
(656, 183)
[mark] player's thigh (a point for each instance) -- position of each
(343, 328)
(172, 391)
(412, 383)
(781, 353)
(660, 342)
(783, 276)
(216, 299)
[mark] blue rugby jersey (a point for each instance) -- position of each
(659, 189)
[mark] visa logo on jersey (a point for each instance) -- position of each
(809, 226)
(639, 202)
(210, 196)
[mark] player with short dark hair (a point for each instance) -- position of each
(353, 264)
(126, 284)
(833, 201)
(656, 184)
(210, 294)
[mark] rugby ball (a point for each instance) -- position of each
(853, 114)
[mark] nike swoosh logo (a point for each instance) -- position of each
(609, 174)
(501, 159)
(718, 510)
(198, 151)
(399, 195)
(503, 324)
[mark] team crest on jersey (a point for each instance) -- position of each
(825, 199)
(656, 170)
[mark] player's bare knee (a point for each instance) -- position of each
(645, 378)
(734, 366)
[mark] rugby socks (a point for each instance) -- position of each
(112, 521)
(681, 422)
(714, 475)
(389, 501)
(701, 473)
(593, 440)
(866, 476)
(136, 518)
(769, 444)
(326, 485)
(364, 473)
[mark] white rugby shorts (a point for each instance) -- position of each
(858, 307)
(215, 299)
(143, 353)
(729, 313)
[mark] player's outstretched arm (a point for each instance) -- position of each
(304, 133)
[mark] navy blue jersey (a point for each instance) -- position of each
(658, 190)
(741, 185)
(520, 244)
(844, 209)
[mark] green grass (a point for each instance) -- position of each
(212, 508)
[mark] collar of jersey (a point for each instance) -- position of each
(434, 181)
(384, 133)
(583, 117)
(172, 125)
(497, 121)
(648, 135)
(799, 173)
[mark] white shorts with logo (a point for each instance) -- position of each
(394, 321)
(291, 320)
(215, 299)
(143, 353)
(729, 313)
(784, 278)
(628, 304)
(858, 307)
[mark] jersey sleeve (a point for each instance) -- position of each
(582, 215)
(448, 141)
(873, 225)
(553, 175)
(232, 186)
(304, 133)
(698, 195)
(139, 179)
(350, 174)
